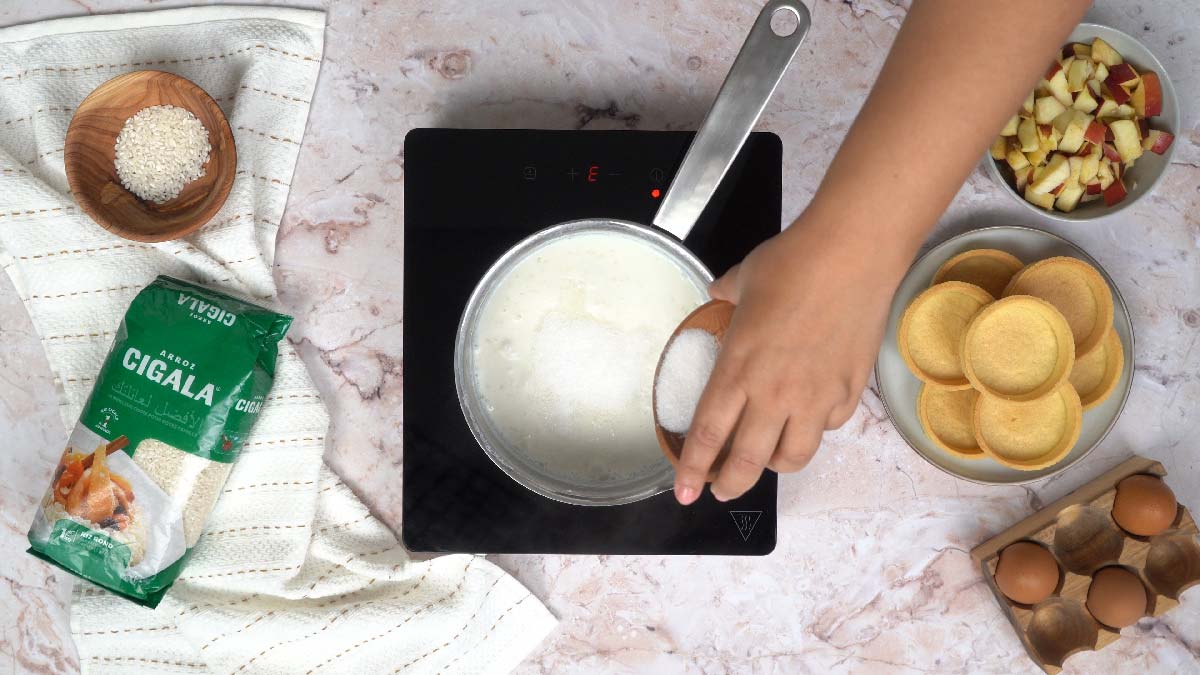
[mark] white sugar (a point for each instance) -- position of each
(681, 379)
(160, 150)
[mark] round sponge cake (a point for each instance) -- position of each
(1077, 290)
(1032, 435)
(946, 417)
(931, 330)
(1019, 348)
(987, 268)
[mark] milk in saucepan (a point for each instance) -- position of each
(566, 348)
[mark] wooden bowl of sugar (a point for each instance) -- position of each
(161, 187)
(682, 371)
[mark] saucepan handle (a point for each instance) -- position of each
(751, 80)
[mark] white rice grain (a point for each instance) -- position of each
(160, 150)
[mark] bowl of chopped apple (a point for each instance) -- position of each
(1096, 133)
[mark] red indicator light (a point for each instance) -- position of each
(593, 172)
(656, 193)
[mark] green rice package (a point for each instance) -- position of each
(186, 377)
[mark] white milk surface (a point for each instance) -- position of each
(566, 349)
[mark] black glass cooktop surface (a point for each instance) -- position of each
(470, 195)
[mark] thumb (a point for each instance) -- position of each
(726, 288)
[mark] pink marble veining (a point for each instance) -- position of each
(872, 572)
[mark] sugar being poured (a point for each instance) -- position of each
(566, 348)
(685, 370)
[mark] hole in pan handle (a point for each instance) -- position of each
(747, 88)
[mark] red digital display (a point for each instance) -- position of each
(593, 173)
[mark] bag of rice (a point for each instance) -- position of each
(182, 385)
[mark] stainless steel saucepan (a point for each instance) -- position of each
(747, 88)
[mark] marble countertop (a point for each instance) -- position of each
(872, 572)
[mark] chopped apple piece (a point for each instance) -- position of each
(1104, 53)
(1115, 91)
(1057, 86)
(1077, 74)
(999, 148)
(1152, 93)
(1137, 100)
(1068, 198)
(1027, 106)
(1090, 166)
(1072, 136)
(1016, 159)
(1076, 164)
(1122, 74)
(1127, 140)
(1124, 112)
(1114, 193)
(1157, 141)
(1023, 177)
(1038, 157)
(1107, 108)
(1084, 101)
(1045, 109)
(1058, 189)
(1057, 170)
(1143, 126)
(1093, 188)
(1105, 174)
(1028, 135)
(1082, 51)
(1101, 73)
(1044, 199)
(1095, 133)
(1111, 153)
(1060, 123)
(1038, 170)
(1010, 127)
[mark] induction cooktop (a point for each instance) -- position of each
(470, 195)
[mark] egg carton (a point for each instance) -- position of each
(1059, 626)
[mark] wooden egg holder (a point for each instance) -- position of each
(1059, 626)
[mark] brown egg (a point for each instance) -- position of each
(1026, 573)
(1144, 506)
(1116, 597)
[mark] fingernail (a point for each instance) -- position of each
(719, 497)
(686, 495)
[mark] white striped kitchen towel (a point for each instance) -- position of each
(294, 575)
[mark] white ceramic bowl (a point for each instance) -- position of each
(899, 388)
(1148, 169)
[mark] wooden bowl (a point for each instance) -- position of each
(713, 317)
(90, 155)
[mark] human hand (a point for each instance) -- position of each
(811, 309)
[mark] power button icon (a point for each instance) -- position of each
(656, 175)
(529, 173)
